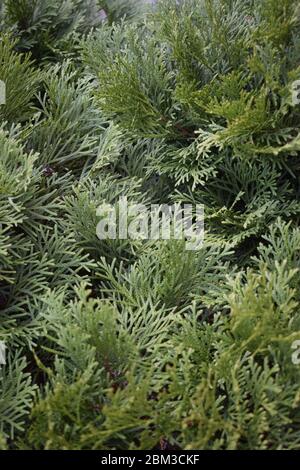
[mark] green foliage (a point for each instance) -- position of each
(141, 344)
(45, 27)
(21, 82)
(67, 126)
(16, 393)
(116, 10)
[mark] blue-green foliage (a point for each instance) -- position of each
(122, 344)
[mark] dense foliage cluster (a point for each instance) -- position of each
(123, 344)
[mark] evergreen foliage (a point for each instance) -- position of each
(123, 344)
